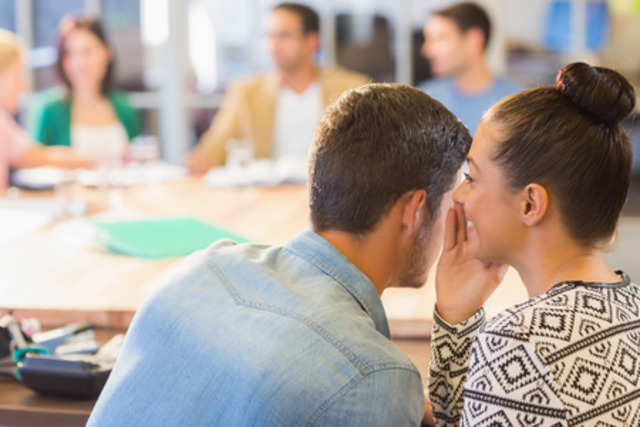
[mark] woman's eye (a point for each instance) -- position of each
(468, 178)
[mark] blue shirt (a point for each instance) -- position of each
(468, 108)
(259, 335)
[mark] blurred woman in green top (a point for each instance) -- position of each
(85, 114)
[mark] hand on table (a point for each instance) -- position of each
(197, 162)
(58, 156)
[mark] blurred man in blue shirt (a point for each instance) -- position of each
(456, 40)
(296, 334)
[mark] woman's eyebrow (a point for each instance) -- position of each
(471, 162)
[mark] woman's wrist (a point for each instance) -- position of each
(455, 316)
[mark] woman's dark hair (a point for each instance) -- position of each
(466, 16)
(375, 144)
(309, 18)
(71, 23)
(568, 139)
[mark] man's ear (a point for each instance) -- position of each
(534, 205)
(414, 210)
(475, 38)
(314, 41)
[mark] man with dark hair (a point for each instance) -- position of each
(297, 334)
(279, 111)
(456, 40)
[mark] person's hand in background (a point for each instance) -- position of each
(58, 156)
(197, 162)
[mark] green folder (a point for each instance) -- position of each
(160, 238)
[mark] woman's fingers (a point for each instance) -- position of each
(450, 231)
(461, 235)
(455, 232)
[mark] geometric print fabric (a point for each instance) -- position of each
(570, 356)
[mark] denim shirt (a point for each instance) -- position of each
(258, 335)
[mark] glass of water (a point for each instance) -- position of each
(145, 155)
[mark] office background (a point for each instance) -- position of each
(224, 40)
(176, 57)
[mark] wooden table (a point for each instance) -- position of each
(59, 274)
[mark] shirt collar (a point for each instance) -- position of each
(322, 254)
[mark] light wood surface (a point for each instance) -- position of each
(60, 274)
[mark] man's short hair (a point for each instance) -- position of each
(375, 144)
(466, 16)
(308, 17)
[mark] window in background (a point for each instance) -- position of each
(121, 19)
(224, 45)
(154, 21)
(364, 43)
(46, 16)
(230, 41)
(559, 35)
(202, 47)
(375, 37)
(7, 15)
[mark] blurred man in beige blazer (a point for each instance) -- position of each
(277, 111)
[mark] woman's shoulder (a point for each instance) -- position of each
(552, 310)
(121, 101)
(120, 97)
(562, 312)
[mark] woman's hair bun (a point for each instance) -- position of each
(602, 93)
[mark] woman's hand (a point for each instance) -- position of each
(463, 283)
(62, 157)
(197, 162)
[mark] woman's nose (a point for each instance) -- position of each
(460, 193)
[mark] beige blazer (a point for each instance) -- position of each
(249, 108)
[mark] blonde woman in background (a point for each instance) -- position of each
(17, 149)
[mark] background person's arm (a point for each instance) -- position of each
(210, 150)
(62, 157)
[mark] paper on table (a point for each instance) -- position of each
(160, 238)
(152, 173)
(19, 217)
(43, 178)
(263, 172)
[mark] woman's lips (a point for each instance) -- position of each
(470, 228)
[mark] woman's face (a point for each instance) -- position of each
(494, 229)
(86, 59)
(12, 84)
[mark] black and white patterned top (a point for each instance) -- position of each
(568, 357)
